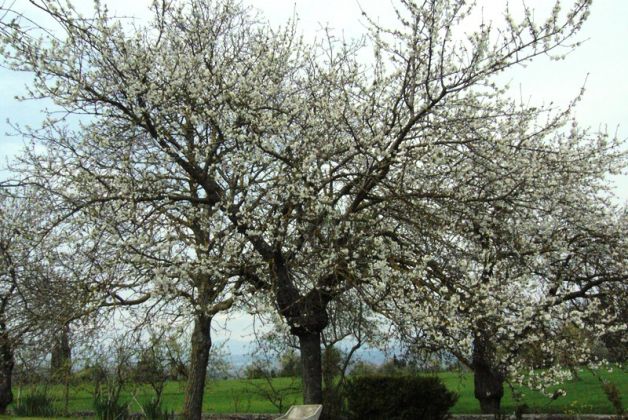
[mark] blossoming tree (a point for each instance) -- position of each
(39, 292)
(296, 152)
(520, 272)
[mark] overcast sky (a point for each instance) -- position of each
(602, 61)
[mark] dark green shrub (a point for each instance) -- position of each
(398, 398)
(614, 396)
(521, 410)
(258, 370)
(36, 404)
(154, 411)
(110, 409)
(290, 365)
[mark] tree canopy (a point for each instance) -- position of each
(217, 156)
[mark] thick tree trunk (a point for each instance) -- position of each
(489, 390)
(6, 371)
(488, 380)
(195, 387)
(307, 317)
(307, 326)
(310, 345)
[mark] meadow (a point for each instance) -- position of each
(584, 395)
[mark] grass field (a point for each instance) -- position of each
(584, 395)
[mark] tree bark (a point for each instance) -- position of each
(61, 355)
(310, 345)
(487, 379)
(195, 386)
(489, 390)
(307, 321)
(7, 362)
(308, 330)
(307, 317)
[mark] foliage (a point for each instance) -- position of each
(108, 407)
(290, 364)
(281, 394)
(398, 397)
(332, 362)
(154, 410)
(258, 369)
(334, 366)
(397, 366)
(585, 393)
(218, 156)
(261, 382)
(520, 411)
(30, 366)
(614, 396)
(540, 305)
(175, 352)
(35, 403)
(111, 371)
(35, 278)
(151, 367)
(364, 368)
(401, 365)
(219, 365)
(149, 370)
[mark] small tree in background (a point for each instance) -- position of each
(275, 371)
(289, 364)
(151, 367)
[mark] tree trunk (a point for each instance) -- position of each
(6, 371)
(310, 345)
(489, 390)
(307, 317)
(488, 380)
(61, 355)
(195, 387)
(307, 326)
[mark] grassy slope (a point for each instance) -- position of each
(583, 396)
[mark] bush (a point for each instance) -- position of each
(614, 396)
(36, 404)
(110, 409)
(258, 370)
(153, 410)
(362, 368)
(290, 365)
(398, 398)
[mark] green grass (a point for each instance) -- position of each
(224, 396)
(584, 395)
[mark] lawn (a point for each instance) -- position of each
(584, 395)
(223, 396)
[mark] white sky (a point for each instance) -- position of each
(602, 60)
